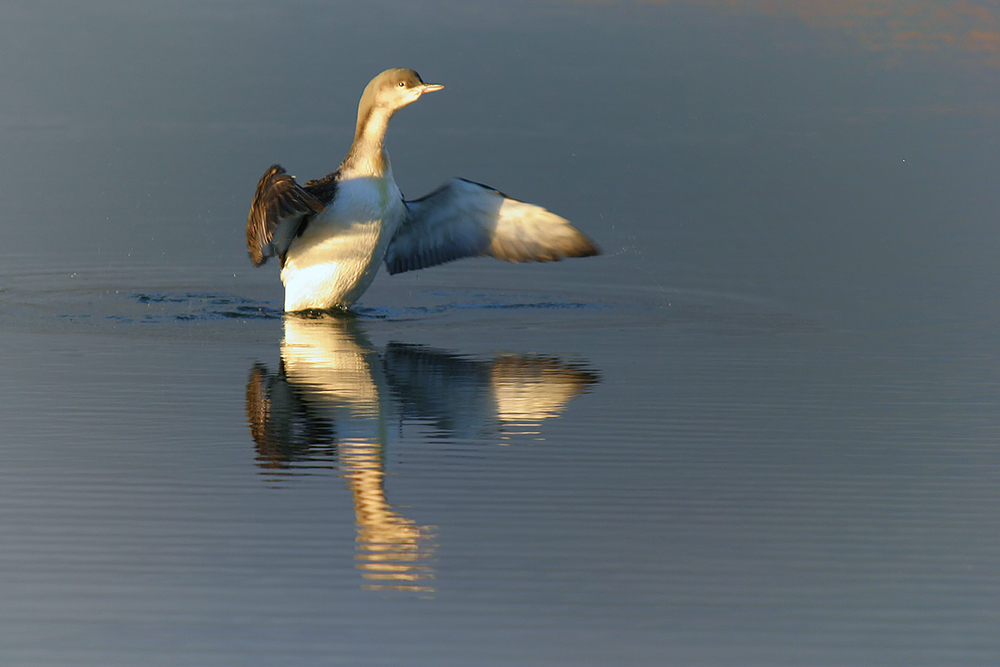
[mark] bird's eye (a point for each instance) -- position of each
(402, 84)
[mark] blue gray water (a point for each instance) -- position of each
(761, 429)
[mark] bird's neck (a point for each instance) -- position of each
(367, 155)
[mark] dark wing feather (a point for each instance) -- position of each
(280, 208)
(466, 219)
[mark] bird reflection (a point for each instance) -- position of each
(334, 395)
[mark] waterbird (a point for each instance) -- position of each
(331, 234)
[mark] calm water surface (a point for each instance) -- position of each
(761, 429)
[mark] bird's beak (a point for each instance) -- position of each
(430, 87)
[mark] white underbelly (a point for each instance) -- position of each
(336, 258)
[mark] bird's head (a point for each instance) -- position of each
(395, 88)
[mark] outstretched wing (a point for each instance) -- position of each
(280, 207)
(466, 219)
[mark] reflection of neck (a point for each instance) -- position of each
(389, 545)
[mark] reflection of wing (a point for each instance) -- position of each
(530, 389)
(466, 219)
(461, 396)
(448, 391)
(284, 428)
(279, 209)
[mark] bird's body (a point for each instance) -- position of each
(338, 253)
(331, 234)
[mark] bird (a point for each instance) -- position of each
(332, 234)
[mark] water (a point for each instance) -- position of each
(760, 429)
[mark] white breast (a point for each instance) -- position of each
(337, 256)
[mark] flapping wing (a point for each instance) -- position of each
(466, 219)
(279, 209)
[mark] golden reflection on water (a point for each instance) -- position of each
(329, 405)
(530, 390)
(392, 549)
(970, 28)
